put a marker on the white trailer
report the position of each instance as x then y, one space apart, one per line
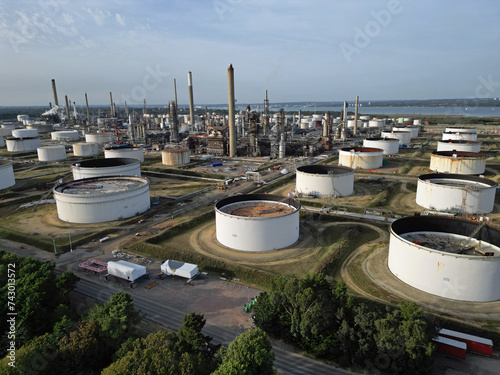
176 268
126 270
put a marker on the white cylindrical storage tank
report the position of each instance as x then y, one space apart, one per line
102 199
257 222
417 122
2 141
65 135
5 132
106 167
100 138
459 129
175 156
6 174
324 181
41 128
51 153
85 149
361 157
8 126
304 123
376 123
390 146
403 136
26 144
413 129
336 120
364 118
21 118
458 162
350 123
125 152
24 133
456 193
434 254
463 136
466 146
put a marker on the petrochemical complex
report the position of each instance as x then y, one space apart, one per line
266 177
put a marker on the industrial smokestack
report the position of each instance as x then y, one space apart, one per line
344 128
191 100
174 124
175 93
111 100
67 107
54 91
87 104
355 130
232 130
326 125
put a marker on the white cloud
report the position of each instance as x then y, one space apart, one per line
119 19
98 15
68 18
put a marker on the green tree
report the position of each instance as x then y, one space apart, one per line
66 282
249 354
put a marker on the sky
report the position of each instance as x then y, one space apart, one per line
297 50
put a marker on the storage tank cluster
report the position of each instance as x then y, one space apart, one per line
390 146
6 174
361 157
175 156
456 193
102 199
106 167
324 181
447 257
458 162
23 140
257 222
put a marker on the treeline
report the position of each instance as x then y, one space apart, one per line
327 323
51 338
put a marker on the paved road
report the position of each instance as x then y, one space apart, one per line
286 361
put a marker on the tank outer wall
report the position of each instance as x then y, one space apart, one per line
459 146
361 159
26 144
467 164
135 153
85 149
389 145
51 153
458 277
439 197
106 167
460 136
6 174
325 185
175 157
100 208
256 234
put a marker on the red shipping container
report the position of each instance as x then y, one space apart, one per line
475 344
450 347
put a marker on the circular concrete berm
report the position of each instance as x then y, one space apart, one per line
257 222
325 180
447 257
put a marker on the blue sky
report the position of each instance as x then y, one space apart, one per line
297 50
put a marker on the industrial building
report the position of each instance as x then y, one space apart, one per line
458 162
447 257
6 174
106 167
324 181
361 157
257 222
456 193
102 199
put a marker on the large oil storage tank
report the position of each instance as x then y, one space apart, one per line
447 257
456 193
404 136
459 162
22 144
106 167
459 129
257 222
376 123
414 130
466 146
350 124
460 136
361 157
100 138
40 127
51 153
390 146
65 135
175 156
6 174
24 133
324 180
85 149
125 152
102 199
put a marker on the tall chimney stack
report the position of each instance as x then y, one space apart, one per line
175 93
191 100
111 100
355 130
54 91
67 107
232 130
87 104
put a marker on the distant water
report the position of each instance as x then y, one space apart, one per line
410 111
